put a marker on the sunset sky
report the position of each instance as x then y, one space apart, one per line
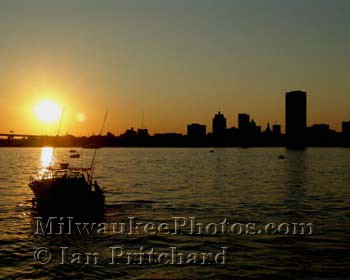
179 61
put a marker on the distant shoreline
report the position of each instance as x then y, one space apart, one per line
185 147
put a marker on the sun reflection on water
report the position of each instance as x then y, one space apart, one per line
46 157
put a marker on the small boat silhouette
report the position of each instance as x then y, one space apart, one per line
66 190
75 156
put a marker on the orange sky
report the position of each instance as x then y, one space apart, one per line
178 61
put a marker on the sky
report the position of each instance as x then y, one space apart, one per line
179 62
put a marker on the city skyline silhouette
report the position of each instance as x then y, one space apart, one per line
174 139
247 134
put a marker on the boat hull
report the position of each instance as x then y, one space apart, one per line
68 197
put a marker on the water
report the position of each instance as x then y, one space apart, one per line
154 185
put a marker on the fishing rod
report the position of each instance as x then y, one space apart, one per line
58 133
92 167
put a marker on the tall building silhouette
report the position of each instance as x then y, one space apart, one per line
196 133
296 118
276 135
243 122
268 129
345 129
219 125
276 130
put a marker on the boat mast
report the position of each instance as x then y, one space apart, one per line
58 133
92 166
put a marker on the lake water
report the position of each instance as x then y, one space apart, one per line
156 185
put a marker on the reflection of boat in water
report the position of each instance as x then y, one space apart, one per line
67 190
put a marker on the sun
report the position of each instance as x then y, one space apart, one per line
48 111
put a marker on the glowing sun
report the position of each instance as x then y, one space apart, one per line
48 111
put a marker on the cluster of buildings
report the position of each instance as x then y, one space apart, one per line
247 134
298 134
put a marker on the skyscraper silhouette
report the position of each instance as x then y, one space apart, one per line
296 119
196 134
346 129
276 130
219 125
243 122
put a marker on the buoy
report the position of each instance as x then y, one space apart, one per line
281 157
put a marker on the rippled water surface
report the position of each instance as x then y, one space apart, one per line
154 185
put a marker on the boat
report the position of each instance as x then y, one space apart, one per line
63 165
75 155
73 151
66 190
